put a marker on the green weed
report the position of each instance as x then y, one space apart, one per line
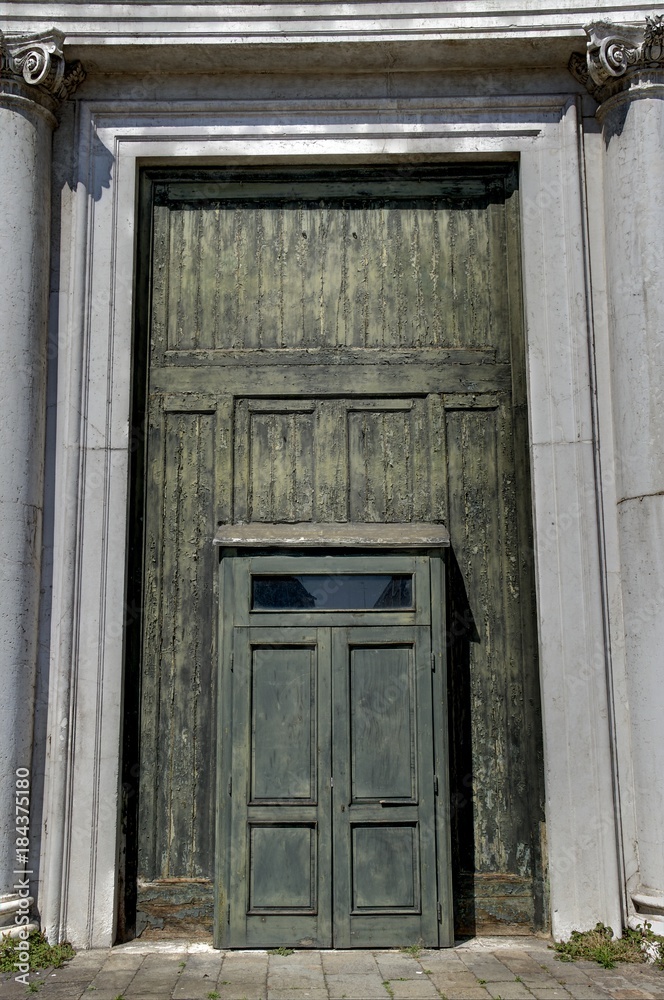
598 945
42 955
414 950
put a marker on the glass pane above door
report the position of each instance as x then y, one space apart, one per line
332 592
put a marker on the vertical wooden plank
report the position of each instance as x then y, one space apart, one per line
175 272
185 685
209 275
152 641
302 467
223 435
399 458
422 461
308 325
331 462
233 253
379 278
438 458
248 275
161 317
263 440
366 450
474 529
269 260
188 292
241 470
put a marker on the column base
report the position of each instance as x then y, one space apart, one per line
649 909
11 906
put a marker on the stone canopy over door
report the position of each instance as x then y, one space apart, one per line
331 345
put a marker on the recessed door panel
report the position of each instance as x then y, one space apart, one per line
282 865
382 723
385 868
283 723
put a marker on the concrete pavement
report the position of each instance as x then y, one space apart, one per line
481 969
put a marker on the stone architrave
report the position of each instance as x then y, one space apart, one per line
624 70
34 80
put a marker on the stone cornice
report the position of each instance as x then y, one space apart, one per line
33 68
620 57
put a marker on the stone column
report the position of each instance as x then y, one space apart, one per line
33 82
624 70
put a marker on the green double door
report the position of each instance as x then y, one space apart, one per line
331 812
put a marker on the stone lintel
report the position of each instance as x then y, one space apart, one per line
621 58
33 68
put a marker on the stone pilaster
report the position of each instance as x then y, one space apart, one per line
624 70
34 80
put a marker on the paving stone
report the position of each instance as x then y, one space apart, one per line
356 987
466 993
112 980
120 960
524 966
549 993
487 967
632 994
306 993
361 963
508 990
413 989
445 981
251 991
397 966
587 992
198 977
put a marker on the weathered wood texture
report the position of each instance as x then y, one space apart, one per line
343 347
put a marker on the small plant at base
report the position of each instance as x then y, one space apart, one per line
280 951
388 988
414 950
481 981
42 954
213 995
34 987
599 945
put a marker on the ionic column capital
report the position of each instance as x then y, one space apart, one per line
33 68
621 58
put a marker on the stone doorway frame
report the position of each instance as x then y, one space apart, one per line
573 558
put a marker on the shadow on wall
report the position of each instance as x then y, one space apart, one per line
461 632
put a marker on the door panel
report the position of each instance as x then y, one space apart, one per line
385 887
278 877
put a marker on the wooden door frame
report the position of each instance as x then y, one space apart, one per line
427 565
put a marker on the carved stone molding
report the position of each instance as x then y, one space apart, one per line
619 56
33 67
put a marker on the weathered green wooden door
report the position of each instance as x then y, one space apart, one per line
330 345
332 831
